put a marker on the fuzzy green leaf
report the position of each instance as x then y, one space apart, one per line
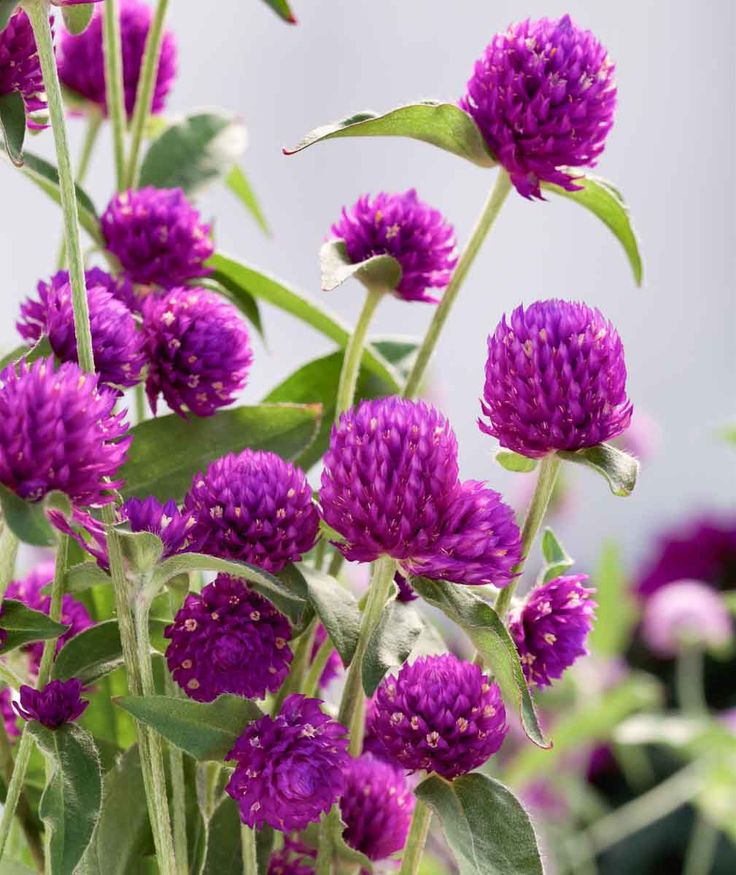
282 9
240 186
7 8
393 639
24 625
77 17
619 468
616 613
377 272
27 520
556 559
515 462
13 125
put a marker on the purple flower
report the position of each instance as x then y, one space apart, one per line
414 233
439 714
81 59
376 807
59 430
289 768
157 236
57 703
228 639
198 349
253 507
555 380
551 626
295 858
117 345
20 68
406 590
543 96
685 614
333 666
167 521
8 714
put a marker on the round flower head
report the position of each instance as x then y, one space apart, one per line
439 714
388 473
555 380
81 59
57 703
157 236
685 614
172 525
295 858
198 349
289 769
253 507
376 807
414 233
543 96
117 345
20 68
58 430
228 639
551 626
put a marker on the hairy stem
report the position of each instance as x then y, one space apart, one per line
354 353
689 682
114 85
248 846
311 682
15 787
416 840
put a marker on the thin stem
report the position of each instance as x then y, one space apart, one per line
144 94
38 15
311 682
416 840
354 353
115 94
23 809
57 594
702 847
299 665
248 846
548 471
140 403
335 563
178 795
490 211
689 682
15 787
319 553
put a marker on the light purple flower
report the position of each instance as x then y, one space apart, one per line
20 68
167 521
685 614
57 703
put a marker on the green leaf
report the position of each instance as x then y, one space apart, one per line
515 462
224 852
337 609
83 576
399 351
282 9
141 550
492 641
235 274
7 8
70 804
240 186
556 559
487 828
616 612
398 630
378 272
41 349
193 153
619 468
24 625
13 125
27 520
168 451
204 730
604 201
77 17
440 124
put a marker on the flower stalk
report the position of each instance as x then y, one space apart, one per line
417 839
354 352
112 47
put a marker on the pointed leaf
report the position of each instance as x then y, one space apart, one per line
391 643
515 462
27 520
141 550
204 730
13 125
24 625
41 349
282 9
377 272
77 17
7 8
399 351
168 451
70 805
83 576
440 124
487 828
616 613
240 186
336 607
556 559
619 468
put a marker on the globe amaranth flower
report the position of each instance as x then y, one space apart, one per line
28 590
439 714
685 614
157 236
408 229
295 858
253 507
376 807
543 96
390 487
167 521
228 639
555 380
117 345
81 59
59 430
551 626
199 352
20 68
57 703
289 769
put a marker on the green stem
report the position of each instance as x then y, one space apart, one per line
57 594
299 665
702 847
140 403
311 682
416 840
144 95
319 553
23 812
38 14
178 795
548 471
354 353
15 787
114 85
248 846
8 555
689 682
483 226
335 564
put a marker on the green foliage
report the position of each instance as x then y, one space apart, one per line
240 186
25 625
556 559
616 612
282 9
393 639
27 520
515 462
13 125
377 272
77 17
7 8
618 468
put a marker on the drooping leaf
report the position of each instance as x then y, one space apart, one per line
193 153
70 805
398 631
77 17
556 559
606 202
240 186
619 468
204 730
282 9
493 642
168 451
24 625
487 828
515 462
27 520
7 8
336 608
616 611
440 124
377 272
13 125
235 274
